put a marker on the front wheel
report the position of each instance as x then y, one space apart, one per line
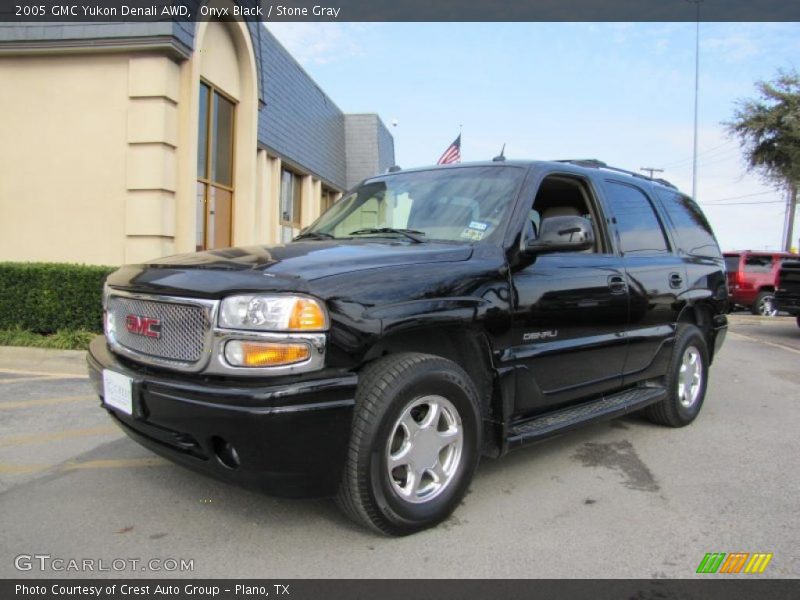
686 380
764 305
414 445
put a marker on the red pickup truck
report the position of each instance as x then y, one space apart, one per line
753 277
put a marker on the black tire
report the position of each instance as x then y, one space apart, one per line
388 390
675 410
764 305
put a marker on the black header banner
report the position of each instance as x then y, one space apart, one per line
387 589
131 11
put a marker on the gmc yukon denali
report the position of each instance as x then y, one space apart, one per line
428 318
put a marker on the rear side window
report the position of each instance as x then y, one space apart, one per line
693 231
732 263
758 263
640 231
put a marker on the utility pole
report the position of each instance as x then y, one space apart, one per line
696 92
791 209
651 170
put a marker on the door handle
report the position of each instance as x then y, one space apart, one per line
675 280
617 284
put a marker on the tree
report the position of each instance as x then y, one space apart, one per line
768 129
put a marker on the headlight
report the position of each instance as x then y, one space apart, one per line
108 325
273 313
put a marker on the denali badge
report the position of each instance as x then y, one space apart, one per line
539 335
146 326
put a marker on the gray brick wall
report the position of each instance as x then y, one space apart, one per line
369 145
299 122
80 31
184 33
386 156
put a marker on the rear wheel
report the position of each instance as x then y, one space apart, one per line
764 305
685 381
414 444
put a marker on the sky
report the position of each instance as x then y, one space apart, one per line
619 92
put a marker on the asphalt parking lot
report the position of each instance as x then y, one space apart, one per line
620 499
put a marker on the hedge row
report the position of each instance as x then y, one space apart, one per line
48 297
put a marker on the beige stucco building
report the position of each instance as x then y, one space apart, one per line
125 142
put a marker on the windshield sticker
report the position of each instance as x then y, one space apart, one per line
471 234
478 225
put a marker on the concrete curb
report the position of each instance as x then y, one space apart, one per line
44 360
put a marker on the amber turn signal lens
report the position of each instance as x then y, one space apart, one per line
265 354
307 315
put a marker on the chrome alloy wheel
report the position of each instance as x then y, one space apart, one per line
690 377
766 307
424 449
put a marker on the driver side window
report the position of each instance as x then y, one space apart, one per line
564 196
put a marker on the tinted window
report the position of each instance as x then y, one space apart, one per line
693 231
732 263
639 229
758 263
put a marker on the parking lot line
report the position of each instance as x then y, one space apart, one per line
48 374
118 463
765 342
6 469
112 463
22 380
45 402
51 436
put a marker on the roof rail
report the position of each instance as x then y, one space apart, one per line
666 183
593 163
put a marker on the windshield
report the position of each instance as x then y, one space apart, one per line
467 204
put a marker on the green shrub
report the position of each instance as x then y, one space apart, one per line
61 340
47 298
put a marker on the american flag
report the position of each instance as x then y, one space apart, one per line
452 154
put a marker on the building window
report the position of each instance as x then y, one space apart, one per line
214 169
327 200
291 194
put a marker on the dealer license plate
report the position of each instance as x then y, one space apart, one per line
118 391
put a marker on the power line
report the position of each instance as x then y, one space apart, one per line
701 153
742 203
739 197
721 159
718 157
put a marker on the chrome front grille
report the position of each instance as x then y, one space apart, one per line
184 328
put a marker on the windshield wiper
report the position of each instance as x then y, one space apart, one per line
411 234
314 235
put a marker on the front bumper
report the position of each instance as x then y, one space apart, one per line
289 439
789 304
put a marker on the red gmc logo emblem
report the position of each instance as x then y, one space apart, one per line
146 326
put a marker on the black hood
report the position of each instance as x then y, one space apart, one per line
289 267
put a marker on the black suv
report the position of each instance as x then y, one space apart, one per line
428 317
787 296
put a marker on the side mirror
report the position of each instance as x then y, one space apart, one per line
562 234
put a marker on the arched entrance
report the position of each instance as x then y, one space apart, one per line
219 178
